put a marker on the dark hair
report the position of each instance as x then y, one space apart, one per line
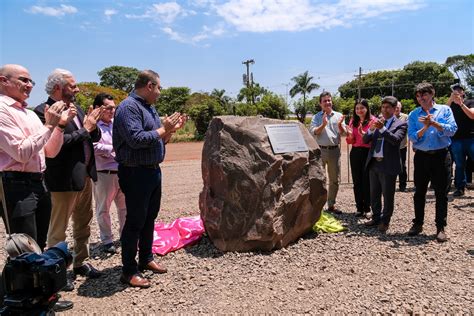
356 118
392 101
424 87
99 99
324 94
144 77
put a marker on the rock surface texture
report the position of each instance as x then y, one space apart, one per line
253 199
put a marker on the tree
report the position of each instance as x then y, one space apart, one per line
119 77
88 91
172 99
202 108
304 86
463 67
252 92
224 100
400 83
272 106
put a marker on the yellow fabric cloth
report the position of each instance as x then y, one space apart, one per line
328 224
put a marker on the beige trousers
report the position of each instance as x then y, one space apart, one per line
79 206
331 159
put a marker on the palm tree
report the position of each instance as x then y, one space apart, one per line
304 86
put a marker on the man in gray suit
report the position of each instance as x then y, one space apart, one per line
384 162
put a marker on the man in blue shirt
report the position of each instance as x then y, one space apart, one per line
139 140
430 127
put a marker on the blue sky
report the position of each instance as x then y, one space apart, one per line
201 43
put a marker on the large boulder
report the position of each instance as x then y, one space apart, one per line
253 199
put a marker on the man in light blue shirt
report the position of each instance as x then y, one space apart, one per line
327 127
430 127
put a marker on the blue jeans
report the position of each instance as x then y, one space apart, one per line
460 149
142 189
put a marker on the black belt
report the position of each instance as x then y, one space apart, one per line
153 166
432 152
329 147
108 171
18 175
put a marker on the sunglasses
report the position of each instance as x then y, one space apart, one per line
25 80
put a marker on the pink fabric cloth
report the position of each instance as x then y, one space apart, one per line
104 151
182 232
24 140
356 140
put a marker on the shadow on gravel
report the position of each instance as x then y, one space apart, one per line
105 286
398 239
204 249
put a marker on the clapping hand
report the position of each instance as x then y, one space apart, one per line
360 130
174 122
90 120
325 119
426 120
68 114
52 114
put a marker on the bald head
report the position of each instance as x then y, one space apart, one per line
15 82
11 70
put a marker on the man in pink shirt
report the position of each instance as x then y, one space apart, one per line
107 189
24 143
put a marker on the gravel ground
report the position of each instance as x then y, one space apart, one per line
357 271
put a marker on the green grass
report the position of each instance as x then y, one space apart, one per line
186 134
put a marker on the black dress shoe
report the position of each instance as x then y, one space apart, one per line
458 192
109 248
88 271
69 286
371 223
62 306
415 230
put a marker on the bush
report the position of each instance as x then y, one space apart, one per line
88 91
272 106
202 108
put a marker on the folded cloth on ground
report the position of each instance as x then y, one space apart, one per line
328 224
180 233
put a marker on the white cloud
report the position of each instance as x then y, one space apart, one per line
60 11
174 35
166 12
299 15
109 13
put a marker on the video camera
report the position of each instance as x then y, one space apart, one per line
32 281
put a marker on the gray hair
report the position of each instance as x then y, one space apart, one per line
57 77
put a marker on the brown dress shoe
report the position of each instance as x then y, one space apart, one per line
135 280
382 228
441 236
153 266
334 210
371 223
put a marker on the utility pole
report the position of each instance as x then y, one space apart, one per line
359 82
248 79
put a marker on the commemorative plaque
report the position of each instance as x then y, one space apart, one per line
285 138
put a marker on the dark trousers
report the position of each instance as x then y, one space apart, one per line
460 150
381 184
402 177
434 167
142 189
360 177
28 205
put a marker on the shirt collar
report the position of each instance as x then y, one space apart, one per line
138 98
12 102
102 123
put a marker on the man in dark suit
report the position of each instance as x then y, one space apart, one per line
68 175
384 162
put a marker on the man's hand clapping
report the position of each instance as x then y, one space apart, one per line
90 120
52 114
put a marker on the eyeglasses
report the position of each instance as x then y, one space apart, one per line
25 80
159 87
